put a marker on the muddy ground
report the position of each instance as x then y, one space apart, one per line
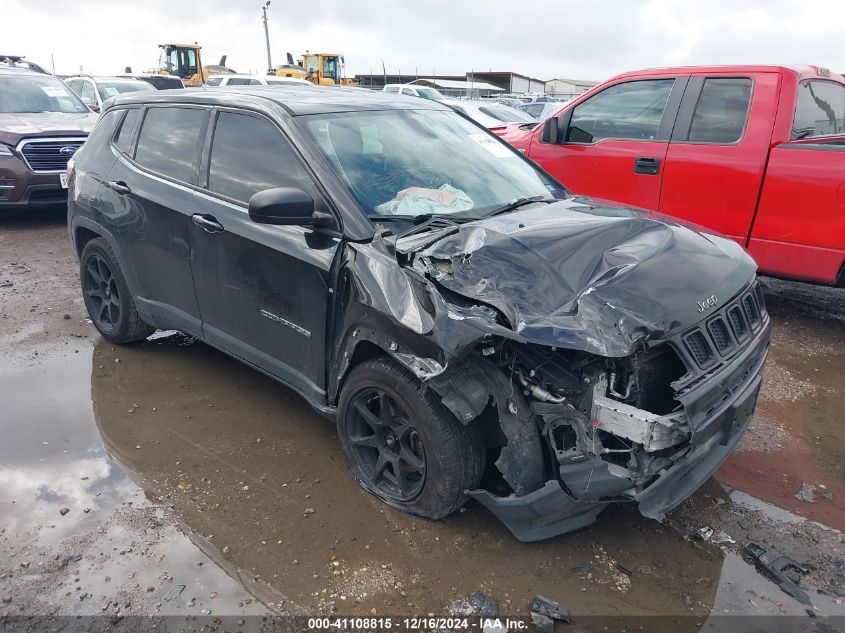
168 480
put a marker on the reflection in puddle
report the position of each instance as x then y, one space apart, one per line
77 536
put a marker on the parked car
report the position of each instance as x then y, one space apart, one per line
752 151
493 116
42 124
159 82
413 90
254 80
93 91
540 110
509 101
446 301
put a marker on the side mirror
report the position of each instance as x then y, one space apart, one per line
92 107
287 205
550 130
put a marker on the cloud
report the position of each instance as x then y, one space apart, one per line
546 38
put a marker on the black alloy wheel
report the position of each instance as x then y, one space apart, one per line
100 287
386 446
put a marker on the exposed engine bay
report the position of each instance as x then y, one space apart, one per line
619 411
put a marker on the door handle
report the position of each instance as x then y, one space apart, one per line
120 187
207 223
647 165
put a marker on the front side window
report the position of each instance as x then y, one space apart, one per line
820 109
24 94
722 111
330 68
420 162
630 110
249 155
169 140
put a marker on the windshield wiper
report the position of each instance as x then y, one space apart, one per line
519 202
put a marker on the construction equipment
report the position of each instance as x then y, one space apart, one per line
323 69
184 61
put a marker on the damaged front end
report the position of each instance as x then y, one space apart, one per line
544 328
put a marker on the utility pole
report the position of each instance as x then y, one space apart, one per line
267 36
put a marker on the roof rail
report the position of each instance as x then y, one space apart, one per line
18 60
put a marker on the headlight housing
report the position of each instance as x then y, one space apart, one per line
6 150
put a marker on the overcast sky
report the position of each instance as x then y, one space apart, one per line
540 38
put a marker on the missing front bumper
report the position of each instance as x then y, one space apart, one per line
550 510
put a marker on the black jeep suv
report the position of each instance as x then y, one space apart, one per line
460 313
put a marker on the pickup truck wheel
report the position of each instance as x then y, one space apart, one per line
403 445
107 296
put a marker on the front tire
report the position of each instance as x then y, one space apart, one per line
107 297
403 445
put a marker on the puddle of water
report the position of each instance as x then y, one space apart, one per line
770 510
112 551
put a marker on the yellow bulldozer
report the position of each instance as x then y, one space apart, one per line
323 69
184 61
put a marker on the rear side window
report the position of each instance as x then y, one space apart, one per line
249 155
820 109
722 111
127 127
392 89
630 110
213 81
168 142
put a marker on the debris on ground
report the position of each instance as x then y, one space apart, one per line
704 533
174 593
544 612
723 538
476 604
774 570
806 493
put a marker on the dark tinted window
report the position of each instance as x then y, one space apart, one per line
127 127
630 110
249 155
721 111
168 141
242 81
820 109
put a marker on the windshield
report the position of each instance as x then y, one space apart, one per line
419 162
28 93
107 89
506 114
430 93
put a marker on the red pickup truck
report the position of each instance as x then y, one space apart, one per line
755 152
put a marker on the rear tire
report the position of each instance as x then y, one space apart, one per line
107 298
403 445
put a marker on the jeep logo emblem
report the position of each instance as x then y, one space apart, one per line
68 150
709 302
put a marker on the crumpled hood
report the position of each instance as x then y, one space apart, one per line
576 274
14 127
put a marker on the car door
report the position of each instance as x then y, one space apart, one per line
613 144
263 290
145 206
718 150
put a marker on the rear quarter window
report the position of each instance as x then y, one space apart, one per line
127 128
819 109
169 142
